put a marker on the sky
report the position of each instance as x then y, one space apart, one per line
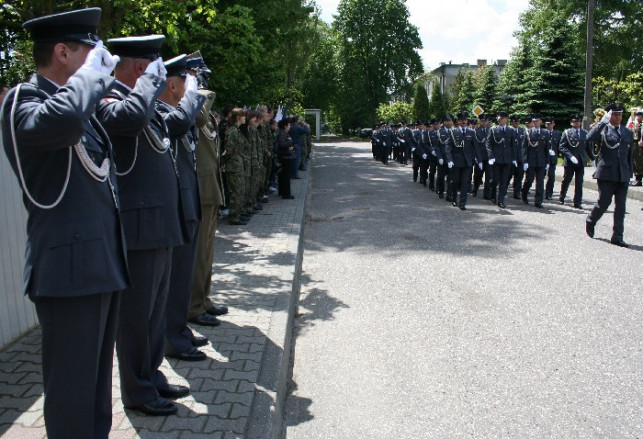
470 30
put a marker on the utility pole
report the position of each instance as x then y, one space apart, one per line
589 64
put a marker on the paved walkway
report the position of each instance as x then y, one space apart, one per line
239 390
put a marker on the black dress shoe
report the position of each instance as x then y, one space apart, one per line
474 194
524 200
455 203
501 205
192 355
561 200
217 310
199 341
486 197
548 197
174 391
538 206
205 319
516 197
620 243
158 407
462 207
589 229
288 197
440 195
494 201
577 206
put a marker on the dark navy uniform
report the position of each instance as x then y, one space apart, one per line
554 143
75 263
461 154
517 172
574 147
445 140
503 150
149 190
613 173
535 158
416 156
482 168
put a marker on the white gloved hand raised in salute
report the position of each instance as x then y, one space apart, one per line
607 117
100 60
191 83
157 68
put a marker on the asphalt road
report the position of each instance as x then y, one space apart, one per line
418 320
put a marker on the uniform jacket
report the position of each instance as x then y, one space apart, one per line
615 154
148 183
284 142
554 143
521 141
208 156
180 123
574 144
236 147
536 152
444 141
502 146
481 143
297 132
405 137
76 248
462 152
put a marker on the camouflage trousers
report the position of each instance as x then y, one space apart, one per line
236 180
638 162
258 179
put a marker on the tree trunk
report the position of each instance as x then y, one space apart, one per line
589 64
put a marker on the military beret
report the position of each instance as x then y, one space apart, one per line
616 107
177 66
144 46
80 25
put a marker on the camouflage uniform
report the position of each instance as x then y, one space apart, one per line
638 154
267 154
234 161
258 169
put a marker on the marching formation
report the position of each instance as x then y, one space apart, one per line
124 166
455 156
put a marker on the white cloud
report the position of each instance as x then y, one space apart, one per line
462 33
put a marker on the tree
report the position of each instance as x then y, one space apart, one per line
513 84
395 112
439 103
421 108
377 54
463 91
486 84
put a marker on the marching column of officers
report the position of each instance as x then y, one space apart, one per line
122 180
456 161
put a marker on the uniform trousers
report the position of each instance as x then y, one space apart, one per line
518 173
443 174
141 325
537 173
78 336
460 180
294 164
433 168
200 302
478 179
606 190
236 200
284 177
416 166
577 171
500 181
551 177
424 171
178 337
386 152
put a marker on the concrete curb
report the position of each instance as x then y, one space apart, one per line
592 185
267 413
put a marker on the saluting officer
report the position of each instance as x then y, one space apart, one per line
461 154
179 104
535 160
576 151
503 153
75 265
613 171
149 191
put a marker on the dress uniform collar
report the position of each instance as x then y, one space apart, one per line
45 84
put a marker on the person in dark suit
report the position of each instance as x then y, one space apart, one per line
535 160
179 104
554 143
444 140
286 154
517 172
460 155
75 264
149 191
502 149
482 168
576 151
613 172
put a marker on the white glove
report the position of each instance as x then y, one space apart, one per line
547 167
157 68
403 141
515 163
412 149
481 166
492 161
100 60
191 83
574 160
433 154
424 156
450 165
607 117
552 152
525 167
441 162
